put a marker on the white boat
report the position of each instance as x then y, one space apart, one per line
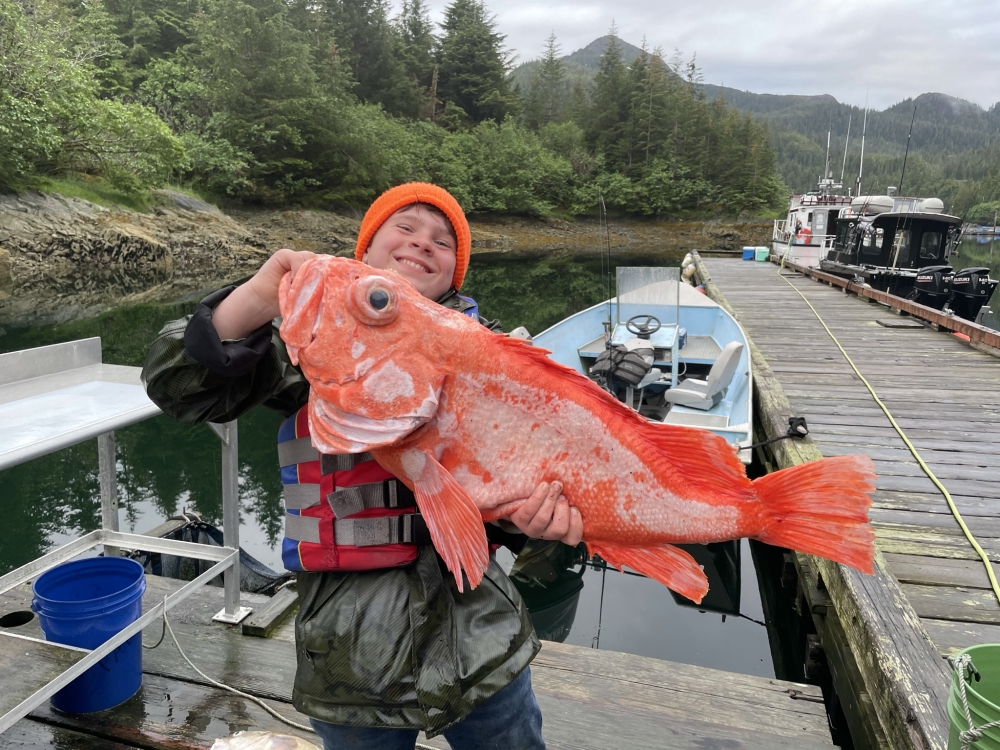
698 355
805 236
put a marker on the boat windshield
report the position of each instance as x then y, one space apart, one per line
930 245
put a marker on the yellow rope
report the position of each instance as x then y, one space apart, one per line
927 470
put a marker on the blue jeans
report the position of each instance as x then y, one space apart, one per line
509 720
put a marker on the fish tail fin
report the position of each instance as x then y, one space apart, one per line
821 508
670 565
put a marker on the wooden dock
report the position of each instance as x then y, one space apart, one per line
590 700
884 635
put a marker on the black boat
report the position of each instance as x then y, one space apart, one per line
884 241
902 246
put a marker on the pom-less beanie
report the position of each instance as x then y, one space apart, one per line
419 192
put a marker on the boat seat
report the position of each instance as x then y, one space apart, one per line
704 394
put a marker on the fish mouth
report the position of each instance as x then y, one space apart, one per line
355 433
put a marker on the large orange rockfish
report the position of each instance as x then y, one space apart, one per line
473 422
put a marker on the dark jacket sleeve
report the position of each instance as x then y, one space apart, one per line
194 377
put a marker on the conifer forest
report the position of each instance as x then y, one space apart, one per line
329 102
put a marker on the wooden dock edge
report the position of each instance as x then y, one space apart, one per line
904 679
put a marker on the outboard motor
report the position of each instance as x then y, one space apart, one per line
932 286
971 289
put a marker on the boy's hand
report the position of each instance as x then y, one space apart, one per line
256 302
548 515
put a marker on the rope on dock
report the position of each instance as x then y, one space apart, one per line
913 450
967 737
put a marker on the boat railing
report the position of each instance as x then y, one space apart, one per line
783 235
57 396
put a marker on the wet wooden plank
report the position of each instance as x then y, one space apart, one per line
27 667
168 714
34 735
956 603
937 571
950 636
896 660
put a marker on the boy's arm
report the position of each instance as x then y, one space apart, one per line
195 377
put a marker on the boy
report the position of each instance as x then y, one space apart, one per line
385 643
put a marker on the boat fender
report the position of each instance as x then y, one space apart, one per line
688 260
689 271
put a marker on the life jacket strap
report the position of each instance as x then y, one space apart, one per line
390 493
300 496
409 528
331 462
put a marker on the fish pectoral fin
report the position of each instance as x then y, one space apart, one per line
670 565
453 519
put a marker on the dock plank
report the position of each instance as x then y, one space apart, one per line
590 699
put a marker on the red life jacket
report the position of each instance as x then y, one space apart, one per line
342 512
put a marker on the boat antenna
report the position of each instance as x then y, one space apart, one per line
826 169
903 174
861 165
843 167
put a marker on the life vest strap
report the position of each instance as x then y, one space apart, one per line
329 463
296 451
391 493
299 496
409 528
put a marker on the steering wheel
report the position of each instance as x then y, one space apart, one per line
642 325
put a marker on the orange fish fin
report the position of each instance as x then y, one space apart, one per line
701 459
670 565
695 456
821 508
452 518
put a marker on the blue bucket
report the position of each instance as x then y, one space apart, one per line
83 603
748 253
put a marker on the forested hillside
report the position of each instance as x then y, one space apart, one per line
329 102
953 149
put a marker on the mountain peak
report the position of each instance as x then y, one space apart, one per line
942 104
590 56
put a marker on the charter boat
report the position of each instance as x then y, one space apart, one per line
886 241
805 236
666 350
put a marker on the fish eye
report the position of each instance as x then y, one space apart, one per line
374 301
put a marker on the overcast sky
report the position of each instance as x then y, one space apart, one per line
889 48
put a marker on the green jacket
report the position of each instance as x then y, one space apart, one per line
397 648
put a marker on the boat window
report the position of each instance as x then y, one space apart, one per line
867 246
930 245
843 234
901 247
879 236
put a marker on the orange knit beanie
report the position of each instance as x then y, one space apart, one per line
419 192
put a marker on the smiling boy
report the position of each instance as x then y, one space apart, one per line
385 643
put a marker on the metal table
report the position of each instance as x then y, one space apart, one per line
56 396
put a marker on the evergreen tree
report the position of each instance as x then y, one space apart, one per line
371 47
547 87
417 52
473 64
608 121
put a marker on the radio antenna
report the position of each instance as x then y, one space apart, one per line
843 167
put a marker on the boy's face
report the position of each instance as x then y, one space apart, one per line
420 246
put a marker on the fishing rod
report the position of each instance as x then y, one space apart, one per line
603 216
907 149
843 167
861 165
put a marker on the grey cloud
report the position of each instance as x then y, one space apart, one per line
892 49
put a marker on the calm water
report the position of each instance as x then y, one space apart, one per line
165 467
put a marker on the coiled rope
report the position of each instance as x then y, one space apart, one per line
913 450
963 665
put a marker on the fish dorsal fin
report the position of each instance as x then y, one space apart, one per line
699 458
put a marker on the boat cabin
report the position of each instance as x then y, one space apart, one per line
886 239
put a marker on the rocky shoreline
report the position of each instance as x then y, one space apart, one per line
65 258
